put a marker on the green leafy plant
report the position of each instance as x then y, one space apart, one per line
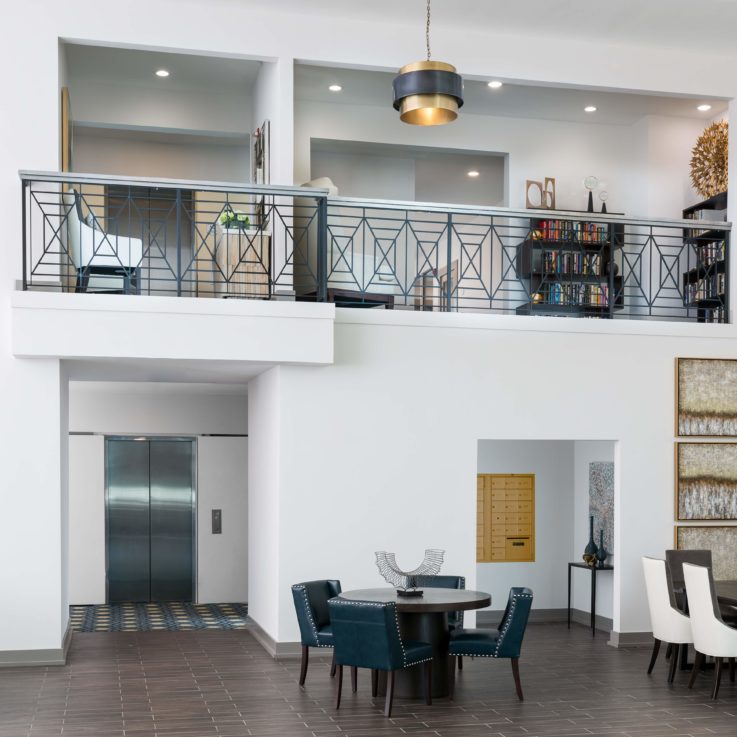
234 219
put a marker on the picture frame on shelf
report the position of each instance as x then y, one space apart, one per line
706 481
706 397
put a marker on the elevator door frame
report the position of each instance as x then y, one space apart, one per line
195 498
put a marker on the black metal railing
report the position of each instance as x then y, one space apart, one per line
88 233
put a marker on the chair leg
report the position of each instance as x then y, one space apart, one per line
451 676
654 657
354 678
673 662
731 670
668 651
332 666
428 682
340 686
389 694
515 673
460 663
305 661
374 682
698 661
717 677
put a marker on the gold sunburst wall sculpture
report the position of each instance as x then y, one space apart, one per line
709 160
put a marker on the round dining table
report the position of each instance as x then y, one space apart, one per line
425 619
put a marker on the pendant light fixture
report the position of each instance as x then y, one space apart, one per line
428 92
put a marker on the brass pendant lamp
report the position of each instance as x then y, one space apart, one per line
428 92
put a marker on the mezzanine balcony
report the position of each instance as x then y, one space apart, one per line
118 235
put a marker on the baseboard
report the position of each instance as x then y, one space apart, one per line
492 617
277 650
630 639
52 656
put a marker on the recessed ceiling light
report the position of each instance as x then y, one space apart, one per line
704 108
335 88
589 109
495 84
162 72
473 173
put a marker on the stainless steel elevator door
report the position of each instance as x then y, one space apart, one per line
150 519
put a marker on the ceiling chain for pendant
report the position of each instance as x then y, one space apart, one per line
427 31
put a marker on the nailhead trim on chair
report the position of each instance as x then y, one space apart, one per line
500 641
396 621
299 587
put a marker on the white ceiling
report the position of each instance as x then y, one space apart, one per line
708 25
133 67
196 372
361 87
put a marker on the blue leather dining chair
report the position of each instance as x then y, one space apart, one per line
455 619
313 615
366 635
504 642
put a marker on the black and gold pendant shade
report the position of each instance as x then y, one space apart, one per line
428 93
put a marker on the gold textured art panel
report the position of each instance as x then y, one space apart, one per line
722 541
707 397
709 160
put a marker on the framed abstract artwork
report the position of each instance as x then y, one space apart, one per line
706 397
601 501
722 541
706 481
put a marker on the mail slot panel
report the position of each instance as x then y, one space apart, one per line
517 548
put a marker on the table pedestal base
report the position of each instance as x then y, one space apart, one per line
425 627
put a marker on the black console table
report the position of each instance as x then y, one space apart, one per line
593 570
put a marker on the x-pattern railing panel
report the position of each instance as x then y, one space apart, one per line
90 233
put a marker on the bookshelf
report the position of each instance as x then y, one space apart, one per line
567 263
704 285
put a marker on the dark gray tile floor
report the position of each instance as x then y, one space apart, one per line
196 684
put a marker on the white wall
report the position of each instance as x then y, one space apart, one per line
622 157
266 582
87 519
366 175
173 159
140 408
586 452
28 407
128 408
552 463
222 483
167 106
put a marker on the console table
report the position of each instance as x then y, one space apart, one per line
593 570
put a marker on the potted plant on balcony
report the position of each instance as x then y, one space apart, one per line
234 220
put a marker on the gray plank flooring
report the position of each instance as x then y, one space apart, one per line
221 683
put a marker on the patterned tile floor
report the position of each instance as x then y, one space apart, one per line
171 616
223 684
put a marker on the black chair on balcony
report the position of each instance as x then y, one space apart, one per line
366 635
311 603
505 642
455 619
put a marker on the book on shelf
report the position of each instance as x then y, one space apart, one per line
567 262
570 230
579 295
708 287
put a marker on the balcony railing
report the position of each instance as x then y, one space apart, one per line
90 233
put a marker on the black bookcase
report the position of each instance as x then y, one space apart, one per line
568 266
705 284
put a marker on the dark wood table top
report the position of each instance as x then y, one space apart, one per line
433 599
726 592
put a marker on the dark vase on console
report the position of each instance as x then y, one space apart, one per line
601 554
590 551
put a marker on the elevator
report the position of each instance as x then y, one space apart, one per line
150 519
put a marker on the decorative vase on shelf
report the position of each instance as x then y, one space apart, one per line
601 553
590 551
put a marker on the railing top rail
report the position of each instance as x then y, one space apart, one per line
594 217
186 184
